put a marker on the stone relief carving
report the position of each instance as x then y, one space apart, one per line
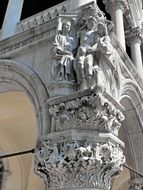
87 60
90 57
84 61
93 112
75 164
136 184
63 54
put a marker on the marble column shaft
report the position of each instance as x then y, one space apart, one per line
136 55
12 16
135 39
119 24
116 9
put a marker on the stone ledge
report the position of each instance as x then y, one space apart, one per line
78 134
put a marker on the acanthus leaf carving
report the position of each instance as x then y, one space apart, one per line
92 112
75 164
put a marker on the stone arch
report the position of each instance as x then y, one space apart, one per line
132 131
15 76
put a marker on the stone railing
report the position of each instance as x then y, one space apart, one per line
41 17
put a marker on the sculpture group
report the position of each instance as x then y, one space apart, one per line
86 57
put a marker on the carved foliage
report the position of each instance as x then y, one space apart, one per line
92 112
136 184
134 34
75 164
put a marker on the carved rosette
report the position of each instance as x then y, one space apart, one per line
77 164
92 112
136 184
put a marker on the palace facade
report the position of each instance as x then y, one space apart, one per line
71 87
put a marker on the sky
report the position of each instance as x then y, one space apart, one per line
31 7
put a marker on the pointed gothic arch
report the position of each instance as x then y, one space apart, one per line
132 132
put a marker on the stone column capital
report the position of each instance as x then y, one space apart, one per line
117 4
121 4
89 110
136 184
135 35
72 163
84 151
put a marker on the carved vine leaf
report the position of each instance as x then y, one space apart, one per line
92 112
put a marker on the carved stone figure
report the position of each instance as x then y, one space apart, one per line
62 52
95 61
88 41
106 76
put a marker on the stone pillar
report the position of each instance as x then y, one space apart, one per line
84 150
136 184
75 4
12 17
117 9
134 38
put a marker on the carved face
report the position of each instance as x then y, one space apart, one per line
67 26
91 23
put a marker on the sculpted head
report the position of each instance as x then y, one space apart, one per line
91 23
66 27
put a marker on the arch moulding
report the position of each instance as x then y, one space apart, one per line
18 77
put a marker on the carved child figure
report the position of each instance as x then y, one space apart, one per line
88 41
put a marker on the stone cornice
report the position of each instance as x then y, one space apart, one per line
23 41
28 38
42 17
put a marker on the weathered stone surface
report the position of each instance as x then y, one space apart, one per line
86 110
76 161
136 184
